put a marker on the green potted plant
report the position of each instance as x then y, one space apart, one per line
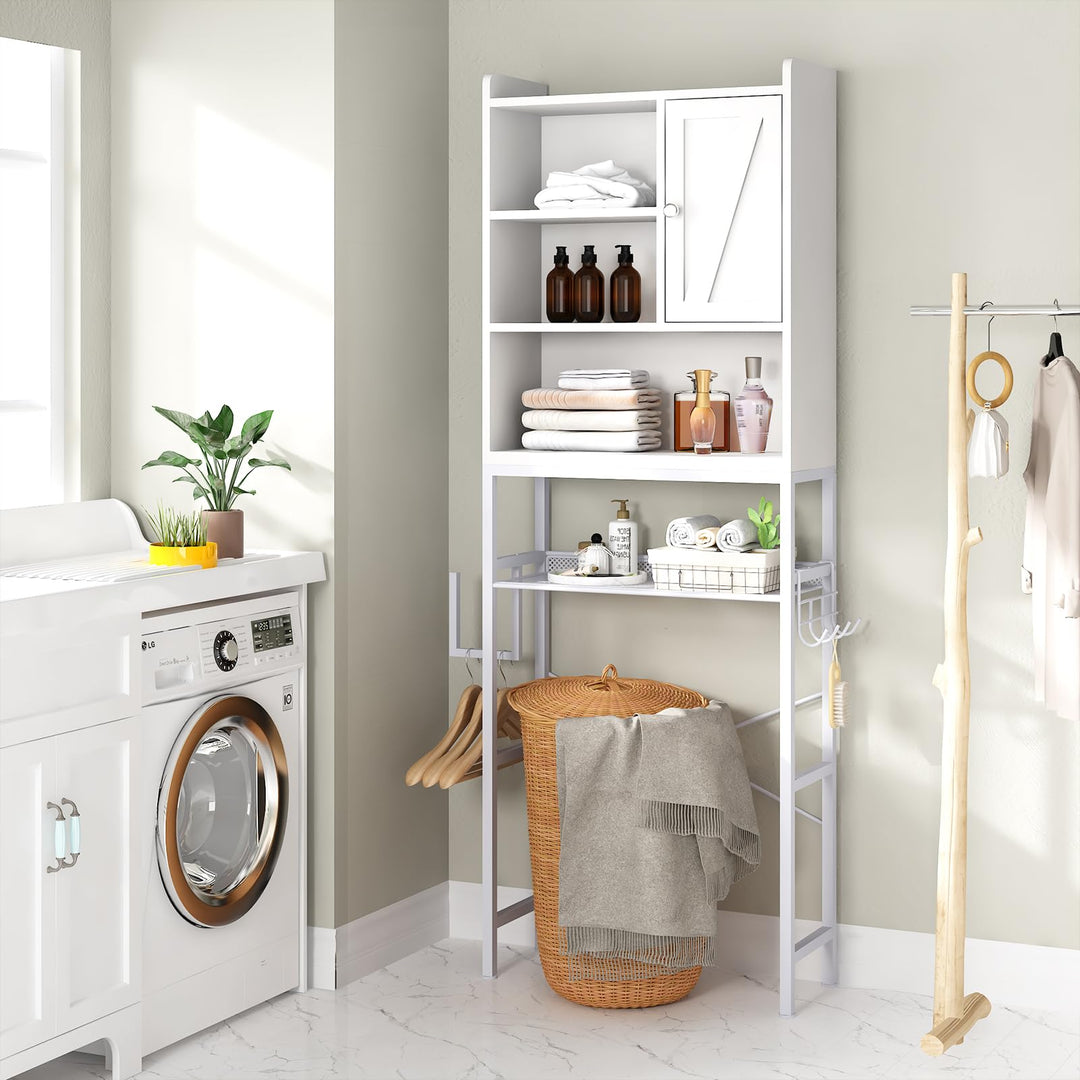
216 476
180 539
768 527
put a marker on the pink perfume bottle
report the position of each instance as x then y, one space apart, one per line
753 410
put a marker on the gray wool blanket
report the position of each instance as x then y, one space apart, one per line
656 822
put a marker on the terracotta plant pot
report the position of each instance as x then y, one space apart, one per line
226 529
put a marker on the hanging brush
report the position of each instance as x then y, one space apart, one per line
838 693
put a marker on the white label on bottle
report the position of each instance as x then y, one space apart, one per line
619 543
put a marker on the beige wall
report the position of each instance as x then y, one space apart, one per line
223 278
83 25
957 151
391 484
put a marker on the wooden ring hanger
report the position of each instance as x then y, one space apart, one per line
1006 370
1006 390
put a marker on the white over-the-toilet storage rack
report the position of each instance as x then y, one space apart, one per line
737 258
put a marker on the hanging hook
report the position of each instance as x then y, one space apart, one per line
988 322
468 665
1058 306
502 674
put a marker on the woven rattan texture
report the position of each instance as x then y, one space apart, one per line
541 704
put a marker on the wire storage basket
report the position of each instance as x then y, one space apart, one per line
541 704
695 570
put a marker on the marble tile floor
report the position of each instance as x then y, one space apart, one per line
432 1017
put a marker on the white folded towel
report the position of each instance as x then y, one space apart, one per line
601 184
615 441
605 420
706 538
682 532
550 398
603 379
738 535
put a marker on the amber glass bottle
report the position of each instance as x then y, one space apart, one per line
625 288
560 289
589 289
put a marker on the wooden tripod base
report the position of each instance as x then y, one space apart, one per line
952 1029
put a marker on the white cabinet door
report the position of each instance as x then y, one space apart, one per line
724 211
98 902
27 895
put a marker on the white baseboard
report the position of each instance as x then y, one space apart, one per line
1025 976
465 914
339 957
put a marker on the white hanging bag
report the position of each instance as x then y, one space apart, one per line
988 448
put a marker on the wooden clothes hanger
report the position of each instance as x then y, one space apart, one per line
456 756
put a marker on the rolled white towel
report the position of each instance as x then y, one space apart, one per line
738 535
682 532
613 441
706 538
572 420
599 379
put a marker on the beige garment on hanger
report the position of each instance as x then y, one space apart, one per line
1051 570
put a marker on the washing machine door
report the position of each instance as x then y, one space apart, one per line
221 811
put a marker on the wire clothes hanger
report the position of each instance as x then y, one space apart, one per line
1055 350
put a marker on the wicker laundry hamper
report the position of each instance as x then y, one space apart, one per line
541 704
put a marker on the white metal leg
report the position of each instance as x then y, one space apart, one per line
829 741
489 779
788 615
542 610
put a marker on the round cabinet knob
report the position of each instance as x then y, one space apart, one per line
671 210
226 651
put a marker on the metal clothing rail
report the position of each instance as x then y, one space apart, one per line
989 308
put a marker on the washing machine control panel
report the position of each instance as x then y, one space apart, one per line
222 648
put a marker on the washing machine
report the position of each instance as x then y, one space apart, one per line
223 738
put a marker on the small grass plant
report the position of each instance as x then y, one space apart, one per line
172 528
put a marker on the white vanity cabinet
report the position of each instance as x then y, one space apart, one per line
723 221
68 953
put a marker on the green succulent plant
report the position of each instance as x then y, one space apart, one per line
216 476
768 527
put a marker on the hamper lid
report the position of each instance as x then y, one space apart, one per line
605 695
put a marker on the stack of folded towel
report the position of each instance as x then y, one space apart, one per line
593 409
603 185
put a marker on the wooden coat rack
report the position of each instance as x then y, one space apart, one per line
954 1013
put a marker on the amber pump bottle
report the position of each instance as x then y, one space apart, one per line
589 289
625 288
560 289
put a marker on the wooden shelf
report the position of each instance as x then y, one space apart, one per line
564 216
635 328
728 468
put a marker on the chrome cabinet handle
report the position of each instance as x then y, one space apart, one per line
63 828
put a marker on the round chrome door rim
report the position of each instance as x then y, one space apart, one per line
262 734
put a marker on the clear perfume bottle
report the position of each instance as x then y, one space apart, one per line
684 406
702 417
753 410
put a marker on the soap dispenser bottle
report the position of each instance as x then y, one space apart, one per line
589 289
623 540
625 289
560 289
685 401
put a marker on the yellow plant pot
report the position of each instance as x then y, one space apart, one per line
205 556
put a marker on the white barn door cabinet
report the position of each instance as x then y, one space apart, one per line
723 246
